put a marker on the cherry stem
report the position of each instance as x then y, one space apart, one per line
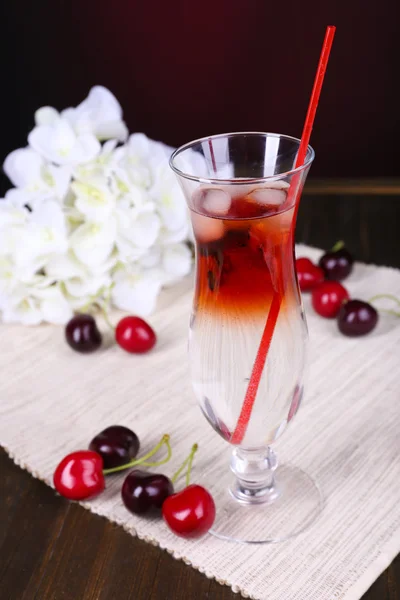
388 297
338 246
187 463
143 460
190 462
95 301
106 317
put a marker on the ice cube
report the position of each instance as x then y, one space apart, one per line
207 229
213 201
268 196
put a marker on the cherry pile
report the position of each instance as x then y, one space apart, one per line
82 475
132 334
329 297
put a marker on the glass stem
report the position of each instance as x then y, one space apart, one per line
255 475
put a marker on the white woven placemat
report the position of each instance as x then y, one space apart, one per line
346 435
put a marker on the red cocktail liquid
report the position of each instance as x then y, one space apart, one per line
242 258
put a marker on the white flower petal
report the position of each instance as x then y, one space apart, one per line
135 159
93 243
172 210
36 179
106 266
50 214
13 212
145 230
126 188
79 303
137 292
54 306
180 235
99 114
100 167
59 143
57 179
88 171
102 104
152 258
26 311
65 266
19 198
44 234
169 197
111 130
87 148
139 145
67 114
109 147
127 252
9 278
94 199
46 115
138 174
23 166
176 261
88 286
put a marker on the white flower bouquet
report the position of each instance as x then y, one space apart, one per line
94 217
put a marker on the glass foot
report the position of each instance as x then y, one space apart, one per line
289 507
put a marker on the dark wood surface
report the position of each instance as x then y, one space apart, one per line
51 549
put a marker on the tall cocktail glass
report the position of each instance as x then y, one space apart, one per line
242 190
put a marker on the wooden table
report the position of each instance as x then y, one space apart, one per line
51 549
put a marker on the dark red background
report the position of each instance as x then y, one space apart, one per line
187 68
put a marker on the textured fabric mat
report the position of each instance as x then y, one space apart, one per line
346 436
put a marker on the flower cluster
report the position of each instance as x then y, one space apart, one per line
94 216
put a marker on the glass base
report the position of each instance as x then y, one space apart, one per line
287 508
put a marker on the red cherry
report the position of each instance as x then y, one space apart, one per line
79 475
328 297
308 274
189 513
134 335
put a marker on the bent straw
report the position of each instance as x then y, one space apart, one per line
273 314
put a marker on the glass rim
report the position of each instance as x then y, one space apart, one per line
241 180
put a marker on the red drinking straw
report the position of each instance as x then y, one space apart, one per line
273 314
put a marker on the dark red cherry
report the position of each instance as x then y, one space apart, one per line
82 334
338 263
357 318
117 445
143 491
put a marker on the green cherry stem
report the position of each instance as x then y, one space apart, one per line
106 306
143 460
388 297
187 463
106 317
338 246
190 462
95 301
